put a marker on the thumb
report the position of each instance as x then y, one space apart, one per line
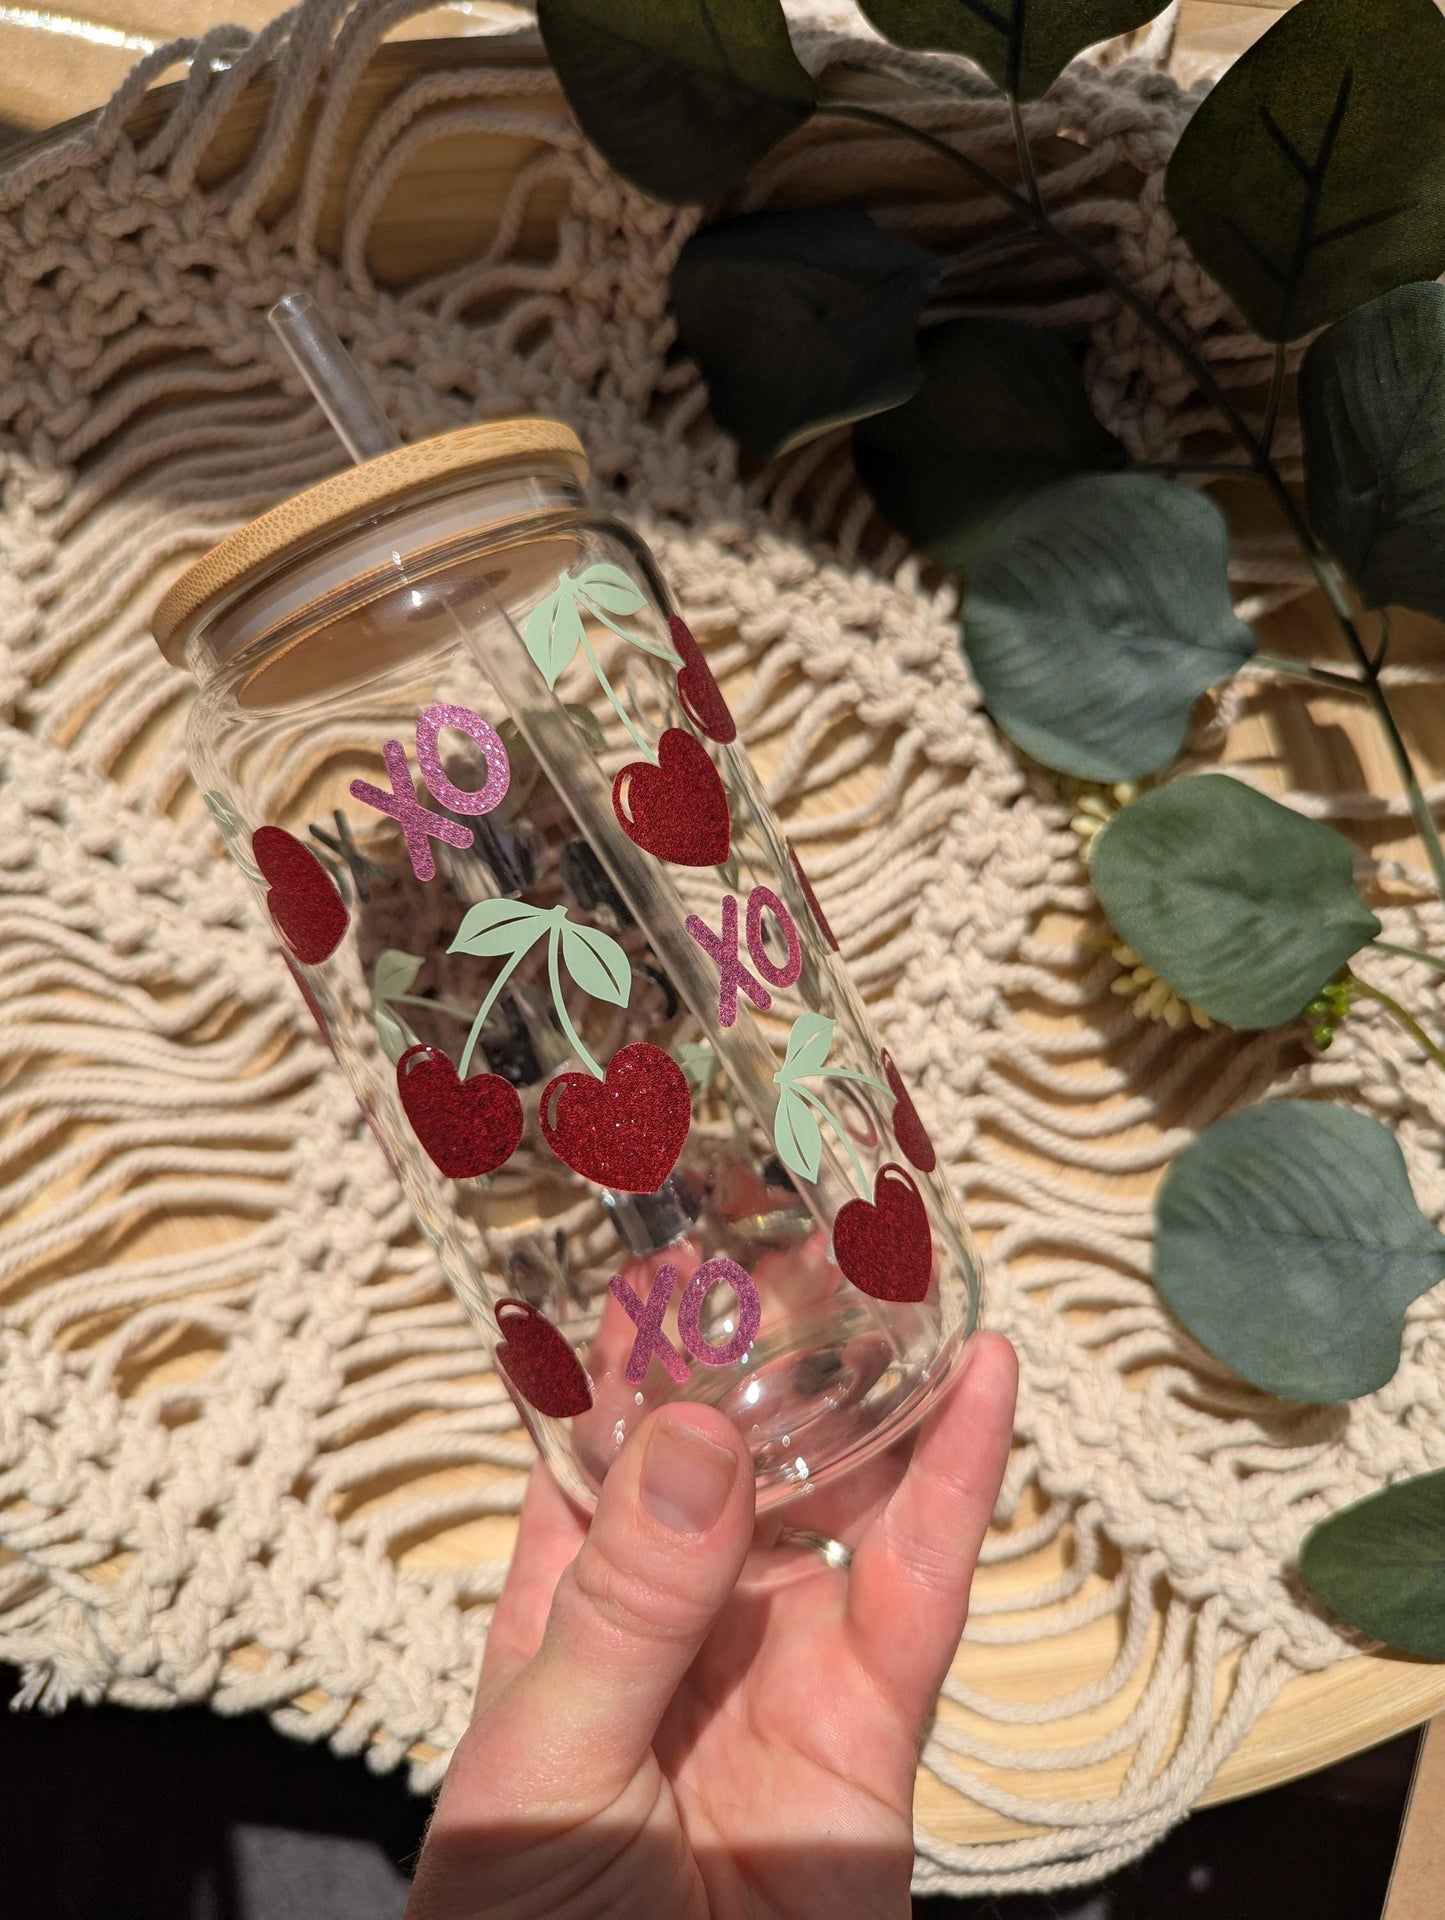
671 1532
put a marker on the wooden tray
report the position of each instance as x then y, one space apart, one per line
441 209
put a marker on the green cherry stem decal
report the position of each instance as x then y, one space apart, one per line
557 628
511 928
796 1133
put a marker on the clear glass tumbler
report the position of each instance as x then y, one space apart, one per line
491 796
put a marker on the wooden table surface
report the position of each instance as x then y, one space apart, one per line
53 67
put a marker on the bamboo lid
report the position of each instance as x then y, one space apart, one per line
490 447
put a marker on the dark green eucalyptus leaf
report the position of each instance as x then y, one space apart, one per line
1243 906
1372 405
681 100
1380 1565
1289 1243
1001 412
1022 44
801 321
1098 614
1312 175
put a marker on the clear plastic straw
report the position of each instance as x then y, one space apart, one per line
332 375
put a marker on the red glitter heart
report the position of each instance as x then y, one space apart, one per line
700 694
676 810
885 1248
626 1130
308 912
908 1129
820 919
467 1126
538 1362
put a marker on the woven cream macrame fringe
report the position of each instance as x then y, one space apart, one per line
155 1060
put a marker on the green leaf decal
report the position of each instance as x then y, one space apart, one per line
801 321
1241 905
1312 175
1023 45
1380 1565
500 926
809 1038
609 589
797 1135
699 1065
553 631
682 100
597 963
1098 614
1372 405
395 973
1001 413
1289 1243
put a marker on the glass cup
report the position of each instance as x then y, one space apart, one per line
480 775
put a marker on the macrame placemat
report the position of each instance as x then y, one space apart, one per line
240 1417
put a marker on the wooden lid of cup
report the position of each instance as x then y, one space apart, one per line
491 447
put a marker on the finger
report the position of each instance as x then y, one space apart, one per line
909 1582
630 1612
548 1535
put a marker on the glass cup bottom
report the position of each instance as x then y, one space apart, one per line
818 1407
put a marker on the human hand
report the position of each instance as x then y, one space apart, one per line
652 1740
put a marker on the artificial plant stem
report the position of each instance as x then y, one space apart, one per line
1410 953
984 249
1398 1014
1225 469
554 978
1026 158
1276 394
1038 218
1319 676
617 707
485 1008
833 1121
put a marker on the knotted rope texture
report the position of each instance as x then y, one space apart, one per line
233 1391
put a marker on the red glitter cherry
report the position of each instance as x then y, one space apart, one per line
676 810
908 1129
626 1130
820 919
467 1127
700 694
538 1362
308 912
885 1248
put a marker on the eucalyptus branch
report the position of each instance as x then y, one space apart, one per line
1185 353
1224 469
1276 395
1410 953
1025 154
1363 990
1317 676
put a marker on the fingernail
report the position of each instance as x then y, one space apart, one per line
686 1477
